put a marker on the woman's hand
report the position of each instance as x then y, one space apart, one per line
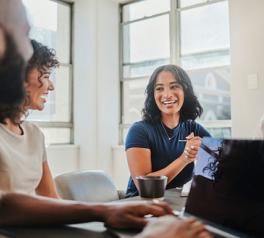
191 148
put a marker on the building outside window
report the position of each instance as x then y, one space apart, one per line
191 33
51 25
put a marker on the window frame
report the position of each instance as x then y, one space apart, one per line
70 123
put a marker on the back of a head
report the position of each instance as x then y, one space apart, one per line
13 19
15 51
12 75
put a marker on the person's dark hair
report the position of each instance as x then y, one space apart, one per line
43 58
14 73
191 108
12 76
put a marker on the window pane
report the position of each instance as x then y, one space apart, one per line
52 30
58 103
144 9
212 86
220 132
146 40
205 28
124 134
57 135
143 69
187 3
207 60
134 96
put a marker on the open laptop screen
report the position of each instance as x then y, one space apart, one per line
228 183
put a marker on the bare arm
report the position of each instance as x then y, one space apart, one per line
46 186
139 161
19 209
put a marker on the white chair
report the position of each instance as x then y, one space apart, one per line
87 186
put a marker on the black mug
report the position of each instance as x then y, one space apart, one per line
152 186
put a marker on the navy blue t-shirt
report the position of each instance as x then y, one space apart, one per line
163 150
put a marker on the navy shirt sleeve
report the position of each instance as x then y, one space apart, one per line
137 137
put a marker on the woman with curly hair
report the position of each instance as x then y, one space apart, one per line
167 140
23 159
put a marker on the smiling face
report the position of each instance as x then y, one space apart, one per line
38 86
168 94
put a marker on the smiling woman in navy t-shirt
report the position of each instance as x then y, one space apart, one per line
154 146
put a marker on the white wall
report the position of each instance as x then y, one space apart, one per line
121 172
96 85
63 158
247 58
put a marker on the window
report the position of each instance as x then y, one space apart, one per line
191 33
204 52
51 25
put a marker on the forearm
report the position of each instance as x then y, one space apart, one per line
18 209
172 170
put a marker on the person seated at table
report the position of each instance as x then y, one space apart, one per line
22 209
167 140
22 146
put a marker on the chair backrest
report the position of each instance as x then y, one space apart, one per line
86 186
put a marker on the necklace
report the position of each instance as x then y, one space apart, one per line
169 137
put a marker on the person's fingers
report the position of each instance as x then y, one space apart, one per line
191 154
194 148
191 220
197 227
205 234
190 136
195 139
166 207
193 144
155 209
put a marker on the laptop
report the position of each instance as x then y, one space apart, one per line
227 187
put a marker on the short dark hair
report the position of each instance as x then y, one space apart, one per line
12 76
191 108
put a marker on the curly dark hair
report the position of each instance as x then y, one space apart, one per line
12 76
43 58
14 72
191 108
